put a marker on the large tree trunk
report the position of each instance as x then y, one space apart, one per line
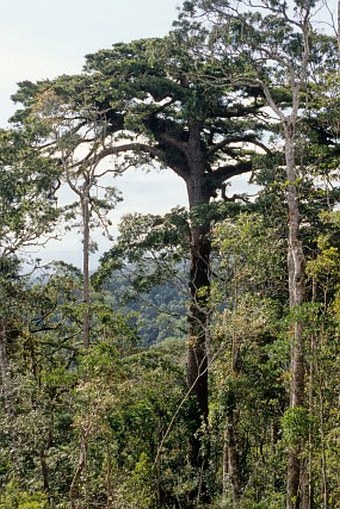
198 323
197 360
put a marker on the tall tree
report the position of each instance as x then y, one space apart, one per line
287 58
157 106
76 143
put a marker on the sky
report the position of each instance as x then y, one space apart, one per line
45 38
42 39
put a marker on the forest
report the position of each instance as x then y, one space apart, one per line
198 366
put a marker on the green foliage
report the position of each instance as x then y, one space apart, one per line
14 498
27 185
109 427
295 425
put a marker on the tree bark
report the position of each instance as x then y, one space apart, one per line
4 367
198 318
296 278
233 465
81 466
45 475
197 351
86 268
197 361
325 496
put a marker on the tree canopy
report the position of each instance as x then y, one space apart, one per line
197 367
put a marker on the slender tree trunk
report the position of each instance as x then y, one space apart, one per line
45 475
81 467
82 461
307 502
233 460
231 479
323 456
296 277
4 366
109 474
225 466
86 268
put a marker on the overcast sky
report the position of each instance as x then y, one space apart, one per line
45 38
